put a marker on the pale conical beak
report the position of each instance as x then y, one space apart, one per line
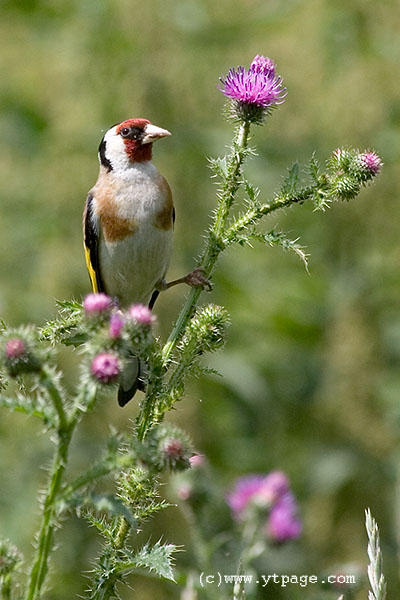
153 133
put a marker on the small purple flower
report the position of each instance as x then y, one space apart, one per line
96 304
283 523
371 164
254 92
141 314
15 348
116 325
257 490
105 367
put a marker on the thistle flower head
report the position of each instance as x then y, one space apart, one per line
15 348
264 65
105 367
253 92
268 497
96 304
283 523
19 354
370 164
141 314
116 325
257 490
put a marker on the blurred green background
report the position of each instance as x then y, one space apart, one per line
311 377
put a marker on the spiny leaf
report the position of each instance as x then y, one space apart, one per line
313 168
252 193
100 503
63 328
276 238
156 558
291 180
219 166
37 408
100 524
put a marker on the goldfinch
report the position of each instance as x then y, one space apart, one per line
128 226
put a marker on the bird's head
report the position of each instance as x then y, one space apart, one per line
129 142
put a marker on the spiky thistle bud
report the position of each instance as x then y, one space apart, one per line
169 448
368 165
10 558
208 328
19 355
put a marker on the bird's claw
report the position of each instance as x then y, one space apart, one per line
197 278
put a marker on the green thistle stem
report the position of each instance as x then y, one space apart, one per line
254 214
40 566
214 245
47 381
123 531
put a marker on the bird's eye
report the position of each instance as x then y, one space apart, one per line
125 131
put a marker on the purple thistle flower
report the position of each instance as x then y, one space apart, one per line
96 304
257 490
283 523
264 65
254 92
371 164
15 348
105 367
141 314
116 325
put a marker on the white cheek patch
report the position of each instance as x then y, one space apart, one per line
115 150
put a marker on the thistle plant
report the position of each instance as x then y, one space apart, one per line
106 338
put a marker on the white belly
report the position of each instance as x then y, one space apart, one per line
132 268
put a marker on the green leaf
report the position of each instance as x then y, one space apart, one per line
291 181
313 168
252 193
101 503
219 166
156 558
28 406
64 328
276 238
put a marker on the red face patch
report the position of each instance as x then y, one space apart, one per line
131 131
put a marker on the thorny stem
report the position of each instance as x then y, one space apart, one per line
66 427
257 212
39 569
214 245
47 381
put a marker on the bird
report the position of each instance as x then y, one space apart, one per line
128 223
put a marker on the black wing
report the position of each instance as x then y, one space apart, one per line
91 244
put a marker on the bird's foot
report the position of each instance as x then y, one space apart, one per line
197 278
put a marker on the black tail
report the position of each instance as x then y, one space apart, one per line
131 381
